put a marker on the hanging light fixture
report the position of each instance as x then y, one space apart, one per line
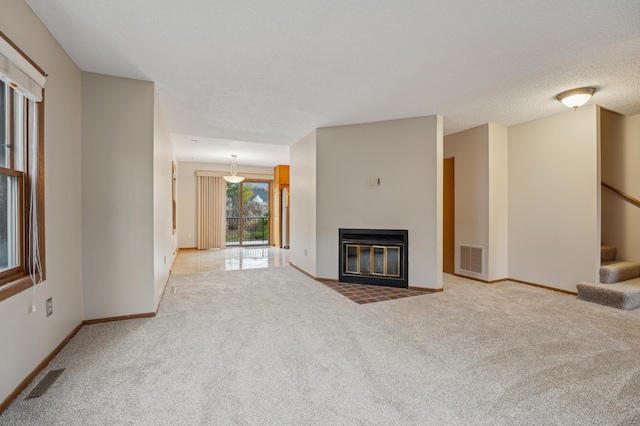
575 98
234 170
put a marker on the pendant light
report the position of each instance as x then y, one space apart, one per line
234 170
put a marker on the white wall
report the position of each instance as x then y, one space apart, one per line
117 196
28 338
187 196
554 199
498 261
470 148
302 204
620 154
164 240
407 157
481 209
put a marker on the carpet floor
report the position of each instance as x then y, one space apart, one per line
273 347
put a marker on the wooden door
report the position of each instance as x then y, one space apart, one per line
281 180
448 216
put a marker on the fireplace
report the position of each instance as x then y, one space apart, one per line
374 256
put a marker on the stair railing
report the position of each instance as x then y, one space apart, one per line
627 197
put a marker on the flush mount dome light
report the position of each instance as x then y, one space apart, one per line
575 98
234 178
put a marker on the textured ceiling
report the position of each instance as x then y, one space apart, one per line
219 151
272 71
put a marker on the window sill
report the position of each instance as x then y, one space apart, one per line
14 285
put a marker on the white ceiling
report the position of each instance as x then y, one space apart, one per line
272 71
219 151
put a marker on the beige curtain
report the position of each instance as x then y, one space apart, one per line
212 212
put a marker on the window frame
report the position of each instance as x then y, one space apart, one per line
17 279
21 228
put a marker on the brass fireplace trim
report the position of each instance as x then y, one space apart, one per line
372 250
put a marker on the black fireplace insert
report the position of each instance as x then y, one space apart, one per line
374 256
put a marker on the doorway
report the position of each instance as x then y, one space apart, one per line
248 217
448 216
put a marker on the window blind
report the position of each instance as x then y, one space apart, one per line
19 73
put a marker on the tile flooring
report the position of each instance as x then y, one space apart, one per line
229 259
362 293
237 258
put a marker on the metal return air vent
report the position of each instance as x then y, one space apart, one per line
471 258
44 384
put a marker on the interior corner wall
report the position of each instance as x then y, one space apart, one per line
117 196
187 196
498 169
28 338
620 154
554 199
470 149
164 240
406 155
302 204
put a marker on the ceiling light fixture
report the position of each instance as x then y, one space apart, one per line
234 170
575 98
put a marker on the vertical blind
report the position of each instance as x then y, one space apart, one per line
212 212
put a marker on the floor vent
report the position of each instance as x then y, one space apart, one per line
44 384
471 258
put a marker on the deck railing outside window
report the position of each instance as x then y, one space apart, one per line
255 230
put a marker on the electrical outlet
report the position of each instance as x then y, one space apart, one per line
49 306
305 252
165 260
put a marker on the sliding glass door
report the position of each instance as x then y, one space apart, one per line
248 213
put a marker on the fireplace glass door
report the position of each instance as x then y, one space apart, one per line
364 259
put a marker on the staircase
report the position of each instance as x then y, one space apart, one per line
619 282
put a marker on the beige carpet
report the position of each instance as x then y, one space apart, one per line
273 347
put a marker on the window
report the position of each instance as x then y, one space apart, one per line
21 173
248 215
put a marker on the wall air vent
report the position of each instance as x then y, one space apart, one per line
471 258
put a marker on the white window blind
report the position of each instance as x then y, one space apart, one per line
18 73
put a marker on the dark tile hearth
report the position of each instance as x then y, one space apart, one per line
363 293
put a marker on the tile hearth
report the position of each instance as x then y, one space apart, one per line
363 293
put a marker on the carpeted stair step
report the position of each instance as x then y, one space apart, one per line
624 295
608 253
616 271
